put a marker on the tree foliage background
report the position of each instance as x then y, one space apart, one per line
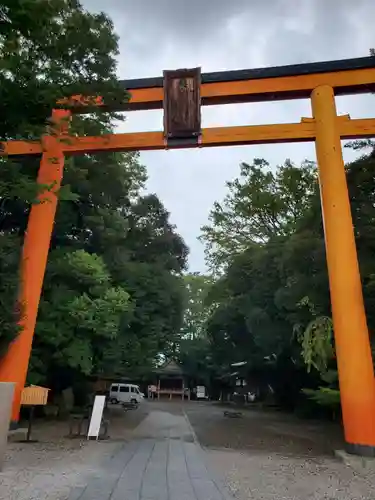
270 302
113 294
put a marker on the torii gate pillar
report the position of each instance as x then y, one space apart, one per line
354 358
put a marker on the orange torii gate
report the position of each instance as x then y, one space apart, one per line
181 93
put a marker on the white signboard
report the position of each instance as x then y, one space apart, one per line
201 392
96 417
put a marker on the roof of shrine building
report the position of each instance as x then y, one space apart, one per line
170 367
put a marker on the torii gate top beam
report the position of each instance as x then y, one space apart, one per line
297 81
350 76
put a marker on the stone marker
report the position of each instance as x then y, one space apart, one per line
6 398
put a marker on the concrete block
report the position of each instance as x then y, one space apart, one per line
17 434
6 398
355 461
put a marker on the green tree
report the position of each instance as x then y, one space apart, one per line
260 205
43 58
275 262
79 318
193 346
150 264
50 49
272 302
9 284
195 357
197 287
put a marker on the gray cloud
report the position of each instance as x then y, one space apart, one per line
220 35
179 20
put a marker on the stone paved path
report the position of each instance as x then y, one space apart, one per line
163 462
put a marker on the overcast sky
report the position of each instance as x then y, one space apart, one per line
226 35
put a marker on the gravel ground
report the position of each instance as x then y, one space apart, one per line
261 456
47 469
263 431
258 476
269 456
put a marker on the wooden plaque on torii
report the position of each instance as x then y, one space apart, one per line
182 104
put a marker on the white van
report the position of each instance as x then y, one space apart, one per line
125 393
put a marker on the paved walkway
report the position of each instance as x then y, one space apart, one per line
163 462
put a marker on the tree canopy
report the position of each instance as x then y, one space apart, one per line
260 205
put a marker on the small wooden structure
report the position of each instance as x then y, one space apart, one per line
34 395
171 381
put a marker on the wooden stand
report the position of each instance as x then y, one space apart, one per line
29 427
